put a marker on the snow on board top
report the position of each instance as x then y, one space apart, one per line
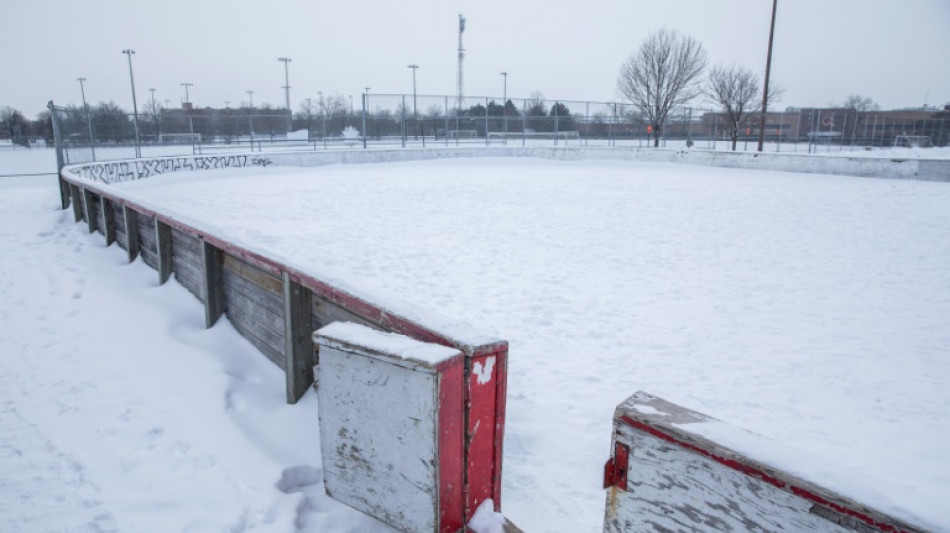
347 335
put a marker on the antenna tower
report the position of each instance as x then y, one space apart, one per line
461 99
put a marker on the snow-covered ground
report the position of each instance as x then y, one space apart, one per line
808 308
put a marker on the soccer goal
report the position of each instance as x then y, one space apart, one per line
913 141
179 138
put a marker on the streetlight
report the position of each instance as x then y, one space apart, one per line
415 125
250 95
135 107
92 140
186 85
286 60
504 103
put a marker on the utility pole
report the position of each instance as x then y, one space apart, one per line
415 118
460 89
287 60
92 140
765 86
250 95
135 107
365 105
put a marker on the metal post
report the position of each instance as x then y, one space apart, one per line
446 132
555 122
365 98
135 108
64 195
92 139
415 116
504 104
403 120
486 121
781 126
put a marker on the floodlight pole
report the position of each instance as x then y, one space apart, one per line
135 107
92 140
286 88
186 85
765 87
415 118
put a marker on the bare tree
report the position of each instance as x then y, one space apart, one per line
857 102
736 91
664 73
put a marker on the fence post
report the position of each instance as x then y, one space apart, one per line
402 125
486 121
446 131
58 143
365 96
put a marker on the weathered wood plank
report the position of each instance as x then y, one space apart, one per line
187 262
212 284
272 354
258 318
250 325
77 201
386 466
89 206
255 293
679 479
130 220
298 346
146 234
258 277
163 250
324 313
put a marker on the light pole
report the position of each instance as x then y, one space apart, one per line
286 60
186 85
250 95
92 140
135 107
415 118
504 102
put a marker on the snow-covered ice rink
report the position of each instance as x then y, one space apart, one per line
811 309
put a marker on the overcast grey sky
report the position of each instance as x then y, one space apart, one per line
896 52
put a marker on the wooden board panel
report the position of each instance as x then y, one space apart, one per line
186 261
147 242
378 433
253 302
130 223
677 479
212 283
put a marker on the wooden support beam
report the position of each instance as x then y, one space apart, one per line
298 348
88 210
64 192
77 202
108 219
212 290
131 218
163 247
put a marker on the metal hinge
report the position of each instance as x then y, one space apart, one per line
615 471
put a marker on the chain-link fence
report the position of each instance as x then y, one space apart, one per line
408 120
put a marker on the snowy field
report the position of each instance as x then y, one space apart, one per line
807 308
